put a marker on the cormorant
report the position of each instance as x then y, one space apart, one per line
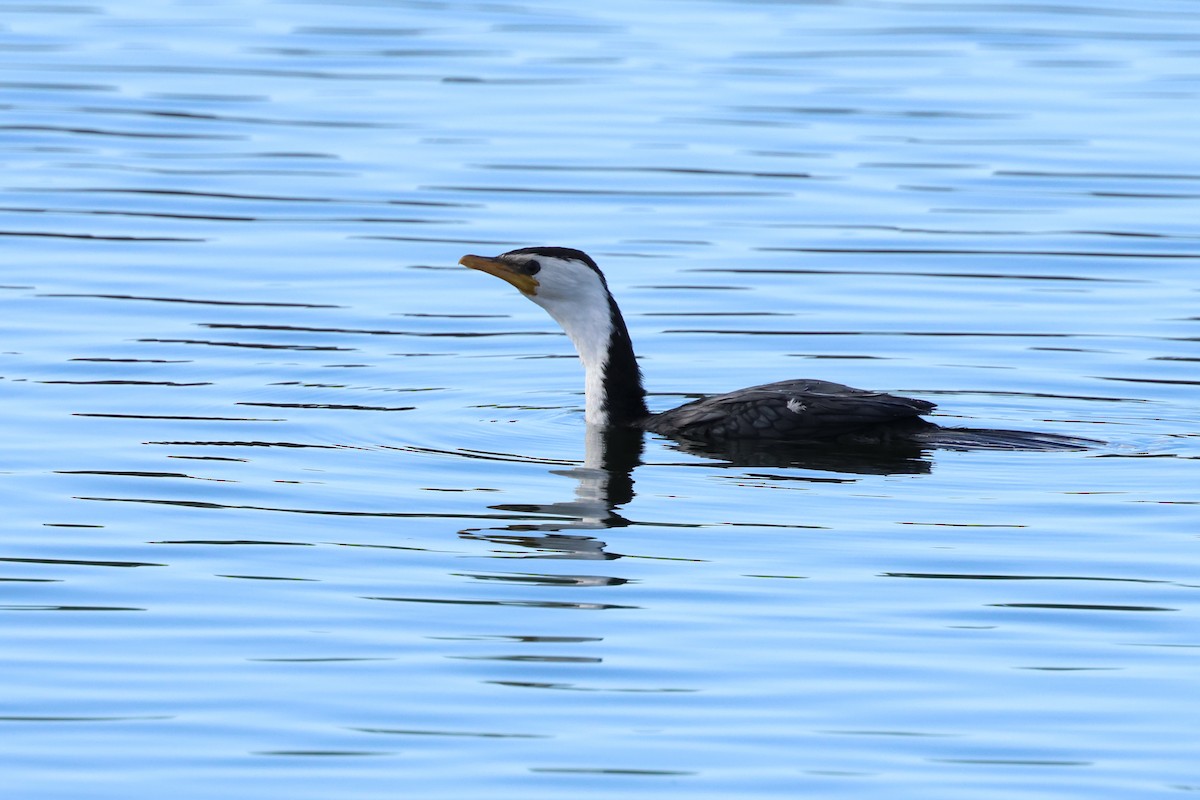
572 289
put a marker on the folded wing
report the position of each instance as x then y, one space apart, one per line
787 410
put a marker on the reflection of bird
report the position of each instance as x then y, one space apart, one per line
569 285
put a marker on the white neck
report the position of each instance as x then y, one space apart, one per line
574 294
589 325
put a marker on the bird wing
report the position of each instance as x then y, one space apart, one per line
795 409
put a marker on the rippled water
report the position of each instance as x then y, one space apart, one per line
296 507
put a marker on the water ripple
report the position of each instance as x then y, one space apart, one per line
228 200
263 304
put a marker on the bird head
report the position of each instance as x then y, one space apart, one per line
556 278
569 286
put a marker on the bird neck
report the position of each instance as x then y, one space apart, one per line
613 383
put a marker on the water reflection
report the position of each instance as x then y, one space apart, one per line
604 481
901 456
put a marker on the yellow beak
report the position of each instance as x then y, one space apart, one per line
527 284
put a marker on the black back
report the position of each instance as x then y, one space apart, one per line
796 410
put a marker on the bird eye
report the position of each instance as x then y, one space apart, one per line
531 267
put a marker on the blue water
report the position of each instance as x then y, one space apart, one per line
296 507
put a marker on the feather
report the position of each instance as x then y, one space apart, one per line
796 409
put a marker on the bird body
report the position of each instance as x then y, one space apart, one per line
801 409
569 285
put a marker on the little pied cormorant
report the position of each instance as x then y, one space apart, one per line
572 289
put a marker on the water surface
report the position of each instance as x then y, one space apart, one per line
295 506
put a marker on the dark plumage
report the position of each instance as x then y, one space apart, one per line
797 409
